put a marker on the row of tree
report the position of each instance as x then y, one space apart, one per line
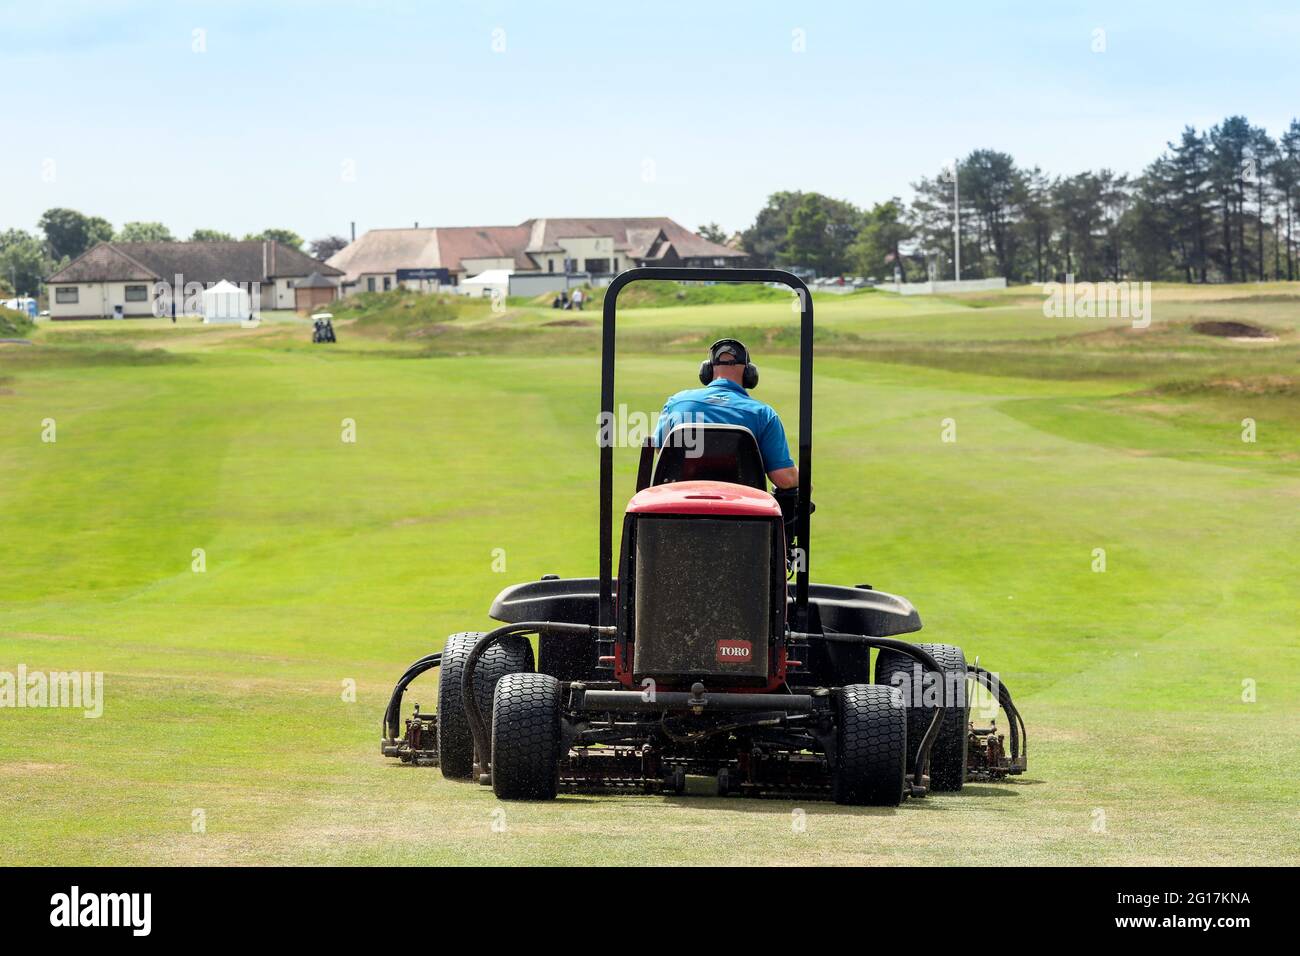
1216 206
63 234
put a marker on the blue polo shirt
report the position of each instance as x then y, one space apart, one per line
723 402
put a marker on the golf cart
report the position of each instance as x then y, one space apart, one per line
701 657
322 328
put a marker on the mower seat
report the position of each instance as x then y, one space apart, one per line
710 452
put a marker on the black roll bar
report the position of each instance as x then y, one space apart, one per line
799 620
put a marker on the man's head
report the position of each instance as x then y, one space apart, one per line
729 359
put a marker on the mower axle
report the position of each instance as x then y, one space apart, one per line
666 701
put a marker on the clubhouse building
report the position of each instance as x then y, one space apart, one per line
538 254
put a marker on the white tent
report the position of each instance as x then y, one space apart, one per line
493 282
226 302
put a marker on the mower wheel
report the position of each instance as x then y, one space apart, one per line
674 781
948 755
871 747
724 782
509 655
526 737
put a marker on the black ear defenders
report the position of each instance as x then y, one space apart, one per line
750 378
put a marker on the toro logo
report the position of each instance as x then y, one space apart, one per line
735 652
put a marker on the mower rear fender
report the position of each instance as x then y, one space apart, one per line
856 610
552 598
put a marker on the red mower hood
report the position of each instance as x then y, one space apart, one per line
704 498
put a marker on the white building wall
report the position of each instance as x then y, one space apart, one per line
582 249
944 286
281 294
364 282
473 267
98 299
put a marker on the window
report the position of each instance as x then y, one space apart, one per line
137 293
550 265
370 284
388 283
598 266
66 295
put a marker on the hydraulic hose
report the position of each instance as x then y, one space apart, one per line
393 711
1019 735
477 725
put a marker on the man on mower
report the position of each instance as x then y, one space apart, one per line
727 375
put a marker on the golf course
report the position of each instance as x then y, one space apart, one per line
251 537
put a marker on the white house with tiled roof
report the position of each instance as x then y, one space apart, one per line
126 277
383 258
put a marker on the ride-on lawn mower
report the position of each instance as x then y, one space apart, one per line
700 658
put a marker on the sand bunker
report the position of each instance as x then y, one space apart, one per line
1236 331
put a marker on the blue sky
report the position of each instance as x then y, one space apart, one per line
312 115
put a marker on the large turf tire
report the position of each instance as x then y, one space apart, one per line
871 747
510 655
526 737
948 756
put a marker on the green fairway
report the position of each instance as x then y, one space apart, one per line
1162 695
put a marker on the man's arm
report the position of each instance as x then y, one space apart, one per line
784 477
776 452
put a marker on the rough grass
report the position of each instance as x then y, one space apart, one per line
660 295
14 324
329 562
402 314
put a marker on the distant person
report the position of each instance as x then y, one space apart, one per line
578 299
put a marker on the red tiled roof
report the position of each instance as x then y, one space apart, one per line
101 262
387 250
635 236
483 242
384 251
253 260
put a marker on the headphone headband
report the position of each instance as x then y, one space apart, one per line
737 348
